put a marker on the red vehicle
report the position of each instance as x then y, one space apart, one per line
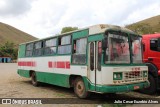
151 56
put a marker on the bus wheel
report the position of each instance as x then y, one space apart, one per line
34 79
152 88
80 89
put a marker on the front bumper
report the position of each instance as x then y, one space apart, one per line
118 88
121 88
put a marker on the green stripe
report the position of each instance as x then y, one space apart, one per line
80 34
98 37
113 88
53 78
23 73
46 77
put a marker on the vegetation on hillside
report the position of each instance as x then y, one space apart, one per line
68 29
147 26
8 49
141 28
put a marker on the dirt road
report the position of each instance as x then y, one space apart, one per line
14 86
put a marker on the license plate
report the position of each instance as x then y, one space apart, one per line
136 87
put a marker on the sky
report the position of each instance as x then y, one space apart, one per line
44 18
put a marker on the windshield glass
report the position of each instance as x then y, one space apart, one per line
136 49
117 50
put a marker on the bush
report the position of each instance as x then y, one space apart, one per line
9 49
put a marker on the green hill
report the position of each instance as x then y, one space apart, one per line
11 34
150 25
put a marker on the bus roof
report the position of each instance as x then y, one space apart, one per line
151 35
95 29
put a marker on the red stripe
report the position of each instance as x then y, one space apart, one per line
27 63
20 63
50 64
23 63
67 65
54 64
32 64
60 64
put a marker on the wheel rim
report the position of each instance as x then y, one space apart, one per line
80 88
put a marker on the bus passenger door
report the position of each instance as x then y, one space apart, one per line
94 62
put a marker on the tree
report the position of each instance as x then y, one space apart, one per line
68 29
8 49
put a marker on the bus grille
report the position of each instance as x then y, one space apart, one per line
132 76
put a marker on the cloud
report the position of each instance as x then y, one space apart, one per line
14 7
43 18
150 10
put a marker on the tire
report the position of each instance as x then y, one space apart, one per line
152 88
80 89
34 79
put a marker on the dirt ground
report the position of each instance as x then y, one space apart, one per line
14 86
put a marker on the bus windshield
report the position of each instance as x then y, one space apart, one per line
136 49
117 50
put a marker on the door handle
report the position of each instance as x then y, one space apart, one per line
150 59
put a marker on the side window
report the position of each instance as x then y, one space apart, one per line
29 49
99 56
79 51
92 56
154 44
64 45
38 48
50 46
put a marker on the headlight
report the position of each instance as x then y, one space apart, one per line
117 76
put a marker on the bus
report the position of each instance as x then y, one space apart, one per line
101 58
151 56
